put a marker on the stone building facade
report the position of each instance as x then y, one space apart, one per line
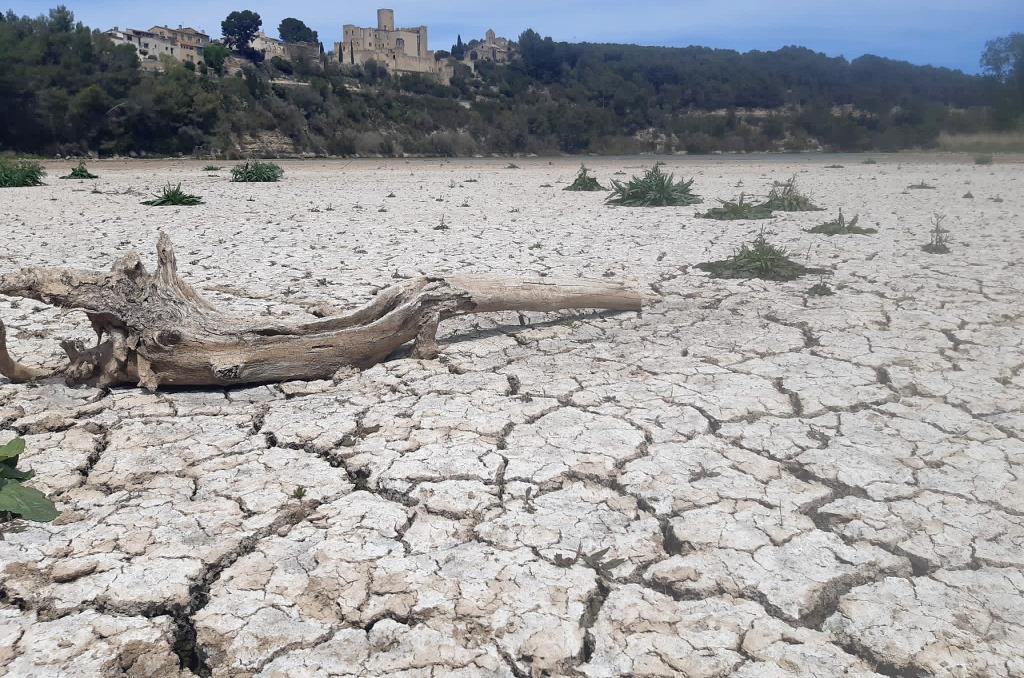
400 50
190 41
491 48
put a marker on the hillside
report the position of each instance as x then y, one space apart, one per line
70 91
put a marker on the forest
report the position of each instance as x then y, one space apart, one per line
68 90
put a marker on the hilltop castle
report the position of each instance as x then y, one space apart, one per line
401 50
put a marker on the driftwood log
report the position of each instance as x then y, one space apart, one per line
154 330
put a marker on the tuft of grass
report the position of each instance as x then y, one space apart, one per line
870 161
833 167
733 211
921 187
820 289
256 171
585 182
653 189
786 197
759 259
984 159
840 226
511 165
80 172
19 173
938 241
173 195
212 168
968 196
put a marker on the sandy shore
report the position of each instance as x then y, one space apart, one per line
742 480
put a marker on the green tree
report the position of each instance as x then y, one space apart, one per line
1003 60
294 30
214 57
239 28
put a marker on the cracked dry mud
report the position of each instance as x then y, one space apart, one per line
775 484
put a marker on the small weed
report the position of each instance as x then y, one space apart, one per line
840 226
80 172
442 226
870 161
921 187
740 209
654 189
984 159
19 173
299 493
759 259
938 242
470 181
968 196
511 165
585 182
211 168
391 195
256 171
820 289
596 560
833 167
786 197
173 195
16 499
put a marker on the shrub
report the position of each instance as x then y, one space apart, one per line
840 226
938 242
585 182
173 195
759 259
256 171
654 189
211 168
15 498
80 172
785 197
984 159
820 289
921 187
18 173
733 211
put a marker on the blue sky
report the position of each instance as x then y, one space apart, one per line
939 32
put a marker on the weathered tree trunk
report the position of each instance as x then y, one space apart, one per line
155 330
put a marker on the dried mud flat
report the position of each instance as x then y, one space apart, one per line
743 480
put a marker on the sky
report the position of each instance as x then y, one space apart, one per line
950 33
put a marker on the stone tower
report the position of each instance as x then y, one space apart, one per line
385 19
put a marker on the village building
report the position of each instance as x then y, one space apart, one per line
491 48
270 47
148 46
399 50
190 42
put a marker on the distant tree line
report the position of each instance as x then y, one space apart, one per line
66 89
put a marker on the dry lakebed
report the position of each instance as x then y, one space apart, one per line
748 478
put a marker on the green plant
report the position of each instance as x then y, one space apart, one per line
511 165
256 171
984 159
938 241
27 502
173 195
921 187
299 493
80 172
740 209
585 182
211 168
839 226
759 259
870 161
18 173
820 289
786 197
654 189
